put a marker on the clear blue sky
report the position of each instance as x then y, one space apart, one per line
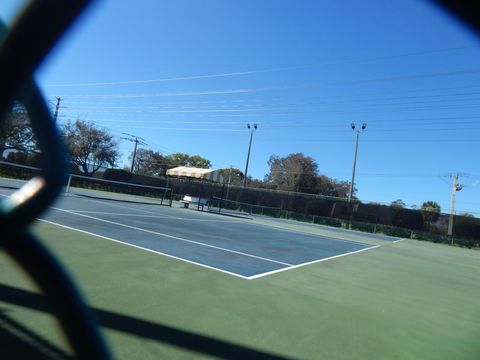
187 76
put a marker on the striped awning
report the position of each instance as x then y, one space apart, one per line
197 173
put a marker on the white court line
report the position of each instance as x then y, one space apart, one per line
310 263
207 266
147 216
393 242
173 237
110 203
289 266
142 248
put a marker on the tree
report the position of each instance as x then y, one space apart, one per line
182 159
431 209
430 212
89 147
151 163
400 204
25 158
299 173
294 172
234 174
16 132
332 187
431 206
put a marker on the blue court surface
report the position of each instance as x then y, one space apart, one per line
238 247
352 234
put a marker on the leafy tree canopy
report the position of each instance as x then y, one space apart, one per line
299 173
430 212
151 163
294 172
233 176
398 204
431 206
89 146
16 132
182 159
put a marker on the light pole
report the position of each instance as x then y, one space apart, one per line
364 125
251 129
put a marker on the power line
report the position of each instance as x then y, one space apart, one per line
286 87
261 102
373 140
251 72
263 107
183 129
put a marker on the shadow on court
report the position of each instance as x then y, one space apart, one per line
18 340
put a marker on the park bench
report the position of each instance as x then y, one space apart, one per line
198 202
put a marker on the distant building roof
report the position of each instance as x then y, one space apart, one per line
197 173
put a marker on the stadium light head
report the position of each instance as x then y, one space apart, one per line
255 126
248 126
364 125
353 126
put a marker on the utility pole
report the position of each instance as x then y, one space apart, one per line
251 129
55 115
136 140
456 187
364 125
134 154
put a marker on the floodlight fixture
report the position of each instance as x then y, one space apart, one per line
353 126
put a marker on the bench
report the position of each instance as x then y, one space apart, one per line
198 202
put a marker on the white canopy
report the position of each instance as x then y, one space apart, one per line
197 173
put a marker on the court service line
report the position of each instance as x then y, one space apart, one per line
133 208
110 203
173 237
311 262
148 216
142 248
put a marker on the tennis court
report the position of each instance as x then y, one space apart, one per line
240 247
357 306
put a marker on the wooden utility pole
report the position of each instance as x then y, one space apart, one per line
136 140
55 115
456 187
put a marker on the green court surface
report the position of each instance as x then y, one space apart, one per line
402 300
